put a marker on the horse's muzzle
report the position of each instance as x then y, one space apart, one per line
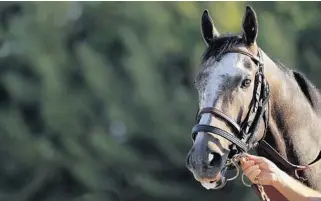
218 183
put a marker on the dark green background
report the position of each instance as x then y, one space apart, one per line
97 98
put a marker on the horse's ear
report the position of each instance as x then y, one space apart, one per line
208 30
250 26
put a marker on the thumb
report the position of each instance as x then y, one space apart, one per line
243 160
254 158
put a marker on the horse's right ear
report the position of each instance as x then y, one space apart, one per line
208 30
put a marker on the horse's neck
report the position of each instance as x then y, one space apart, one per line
294 126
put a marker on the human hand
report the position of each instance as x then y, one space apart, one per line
260 170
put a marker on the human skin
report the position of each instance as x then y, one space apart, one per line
268 173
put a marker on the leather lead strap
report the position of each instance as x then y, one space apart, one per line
288 166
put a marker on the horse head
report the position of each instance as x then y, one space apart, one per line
233 97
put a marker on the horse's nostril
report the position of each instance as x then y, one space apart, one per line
213 158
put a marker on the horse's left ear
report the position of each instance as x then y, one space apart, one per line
209 32
250 26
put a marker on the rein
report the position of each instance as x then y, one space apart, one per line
245 133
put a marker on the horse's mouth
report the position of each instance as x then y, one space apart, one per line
218 182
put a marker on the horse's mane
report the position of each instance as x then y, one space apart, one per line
220 45
311 92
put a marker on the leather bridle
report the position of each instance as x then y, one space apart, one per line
246 133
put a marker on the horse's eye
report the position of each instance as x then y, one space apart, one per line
246 83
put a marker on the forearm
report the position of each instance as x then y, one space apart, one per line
293 190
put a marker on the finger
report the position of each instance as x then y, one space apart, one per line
243 161
264 179
247 165
251 169
253 174
256 159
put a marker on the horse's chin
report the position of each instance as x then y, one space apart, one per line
218 183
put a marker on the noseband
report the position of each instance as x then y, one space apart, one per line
245 136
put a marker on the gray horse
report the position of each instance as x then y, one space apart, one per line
227 83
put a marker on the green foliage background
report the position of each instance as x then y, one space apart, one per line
97 98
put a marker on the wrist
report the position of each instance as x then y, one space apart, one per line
278 182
